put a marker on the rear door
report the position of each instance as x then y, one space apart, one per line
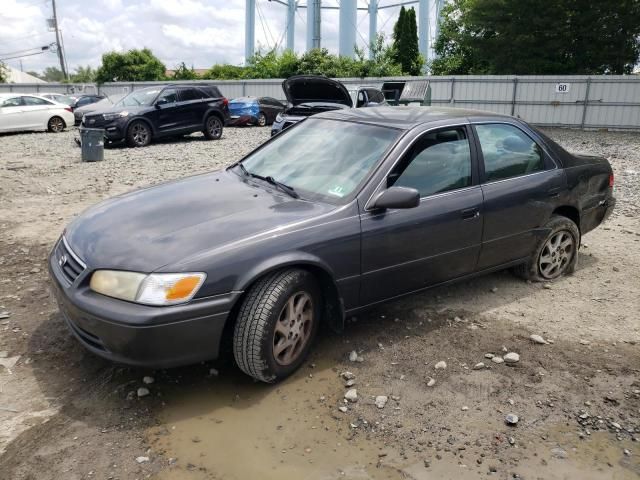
35 111
11 117
193 101
404 250
520 183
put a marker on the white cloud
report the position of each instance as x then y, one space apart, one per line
198 32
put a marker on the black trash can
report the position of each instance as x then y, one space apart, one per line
92 144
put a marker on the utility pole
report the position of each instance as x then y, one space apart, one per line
58 42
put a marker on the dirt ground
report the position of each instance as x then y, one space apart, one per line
65 414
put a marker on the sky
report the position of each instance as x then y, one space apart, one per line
198 32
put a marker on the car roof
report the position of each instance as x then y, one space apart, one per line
404 117
19 94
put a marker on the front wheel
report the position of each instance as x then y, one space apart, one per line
555 254
276 325
262 120
213 128
138 134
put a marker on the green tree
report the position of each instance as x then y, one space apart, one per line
84 75
134 65
182 72
538 37
225 72
52 74
3 73
405 42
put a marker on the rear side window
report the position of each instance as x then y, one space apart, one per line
11 102
187 94
35 101
84 101
211 92
437 162
508 152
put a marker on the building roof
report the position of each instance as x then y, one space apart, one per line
16 76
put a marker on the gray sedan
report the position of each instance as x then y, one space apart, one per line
345 210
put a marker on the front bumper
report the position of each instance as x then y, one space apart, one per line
140 335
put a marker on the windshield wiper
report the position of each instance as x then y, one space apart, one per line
269 179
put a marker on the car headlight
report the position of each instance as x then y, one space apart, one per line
154 289
113 116
279 117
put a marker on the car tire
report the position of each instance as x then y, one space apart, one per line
56 124
555 254
213 127
138 134
276 325
262 120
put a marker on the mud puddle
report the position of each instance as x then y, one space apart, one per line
233 428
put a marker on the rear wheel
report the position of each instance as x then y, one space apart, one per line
262 119
56 125
276 325
138 134
213 128
555 254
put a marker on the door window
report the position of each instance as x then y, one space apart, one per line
187 94
508 152
12 102
35 101
375 96
437 162
170 95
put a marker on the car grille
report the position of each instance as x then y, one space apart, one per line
69 263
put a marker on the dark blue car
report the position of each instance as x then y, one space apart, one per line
259 111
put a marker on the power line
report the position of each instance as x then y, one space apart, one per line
22 56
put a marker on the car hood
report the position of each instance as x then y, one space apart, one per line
94 107
132 110
310 88
151 228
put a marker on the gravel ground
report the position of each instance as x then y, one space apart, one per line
66 414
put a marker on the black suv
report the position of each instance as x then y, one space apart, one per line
163 111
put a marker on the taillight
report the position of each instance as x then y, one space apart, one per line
611 180
225 102
69 109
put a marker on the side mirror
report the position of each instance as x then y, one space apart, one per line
160 102
397 197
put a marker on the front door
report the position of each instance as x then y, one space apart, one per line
170 114
404 250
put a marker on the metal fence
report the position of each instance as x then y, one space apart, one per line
572 101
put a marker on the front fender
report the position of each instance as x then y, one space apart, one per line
333 305
279 262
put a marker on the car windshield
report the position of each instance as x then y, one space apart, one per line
322 159
144 96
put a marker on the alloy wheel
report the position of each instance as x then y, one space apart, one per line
214 126
293 328
56 125
556 254
140 134
262 120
